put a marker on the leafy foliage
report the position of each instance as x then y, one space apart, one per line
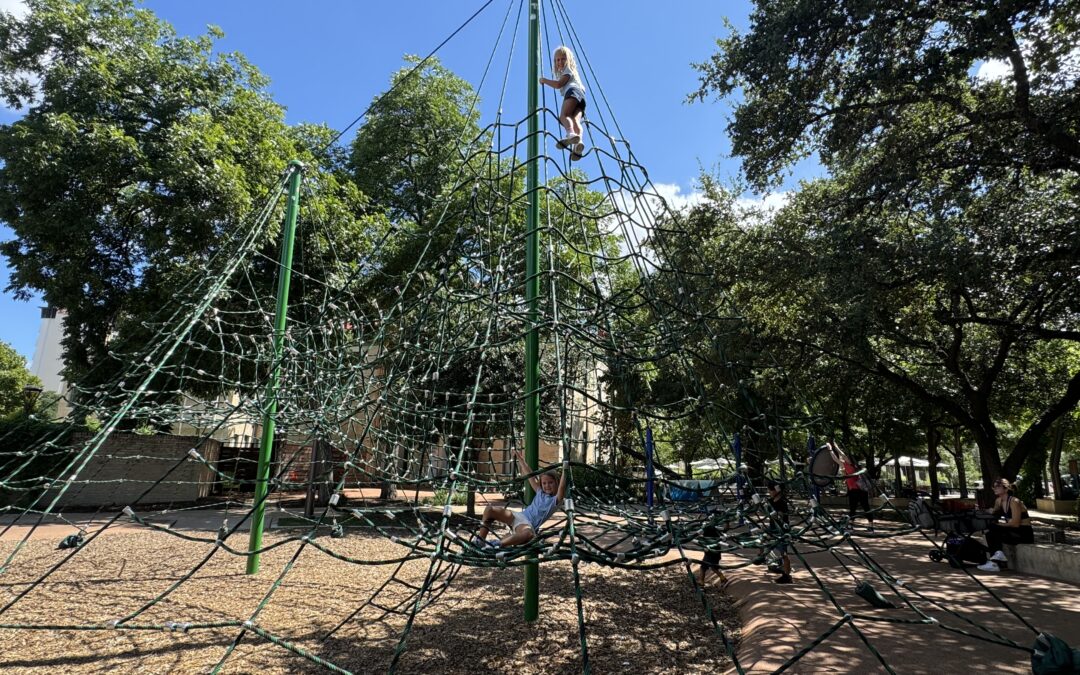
13 378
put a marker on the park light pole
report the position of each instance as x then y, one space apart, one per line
31 393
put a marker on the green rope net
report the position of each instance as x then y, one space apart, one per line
402 369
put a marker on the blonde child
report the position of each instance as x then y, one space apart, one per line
524 526
569 85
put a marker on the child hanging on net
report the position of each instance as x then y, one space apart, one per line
524 526
573 106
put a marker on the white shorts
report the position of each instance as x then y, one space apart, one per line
519 520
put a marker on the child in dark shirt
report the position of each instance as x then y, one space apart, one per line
778 501
711 561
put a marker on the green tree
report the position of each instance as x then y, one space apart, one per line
839 78
14 377
138 154
825 277
415 141
942 254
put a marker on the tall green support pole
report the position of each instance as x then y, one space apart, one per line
262 477
532 297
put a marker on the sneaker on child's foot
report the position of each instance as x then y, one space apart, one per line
989 566
577 152
999 556
569 141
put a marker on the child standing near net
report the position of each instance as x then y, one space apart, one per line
779 526
569 85
524 526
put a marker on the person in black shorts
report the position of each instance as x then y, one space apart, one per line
779 527
568 82
711 561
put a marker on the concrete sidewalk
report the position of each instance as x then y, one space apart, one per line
778 620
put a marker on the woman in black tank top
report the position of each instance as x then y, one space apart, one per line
1016 528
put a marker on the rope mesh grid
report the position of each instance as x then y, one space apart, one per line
405 360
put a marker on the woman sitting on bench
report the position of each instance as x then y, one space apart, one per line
1015 530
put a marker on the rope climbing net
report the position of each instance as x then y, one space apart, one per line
402 368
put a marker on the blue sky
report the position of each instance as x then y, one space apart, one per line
327 60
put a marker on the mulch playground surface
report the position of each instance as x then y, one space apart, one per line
649 622
637 622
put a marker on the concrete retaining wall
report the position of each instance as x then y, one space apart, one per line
1054 561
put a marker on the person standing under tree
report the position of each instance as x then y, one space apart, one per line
858 498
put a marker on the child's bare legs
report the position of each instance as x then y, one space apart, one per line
523 535
704 569
492 513
570 117
575 119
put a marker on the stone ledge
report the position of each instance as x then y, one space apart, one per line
1053 561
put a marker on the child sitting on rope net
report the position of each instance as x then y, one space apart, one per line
524 526
573 106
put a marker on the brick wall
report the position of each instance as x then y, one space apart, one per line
127 464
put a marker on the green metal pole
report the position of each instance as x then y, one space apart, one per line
262 477
532 298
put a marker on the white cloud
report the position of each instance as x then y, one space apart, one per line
673 195
19 9
770 203
16 7
994 70
636 214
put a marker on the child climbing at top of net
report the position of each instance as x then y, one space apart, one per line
550 489
569 85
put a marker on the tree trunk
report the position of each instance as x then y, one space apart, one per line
961 469
1030 438
470 498
1055 459
388 489
933 437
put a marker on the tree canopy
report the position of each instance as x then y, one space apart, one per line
940 255
843 78
138 152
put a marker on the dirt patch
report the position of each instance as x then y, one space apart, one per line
640 621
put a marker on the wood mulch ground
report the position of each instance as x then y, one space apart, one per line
642 622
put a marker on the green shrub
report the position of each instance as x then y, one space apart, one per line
23 436
459 498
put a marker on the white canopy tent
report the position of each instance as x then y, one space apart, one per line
915 462
712 464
